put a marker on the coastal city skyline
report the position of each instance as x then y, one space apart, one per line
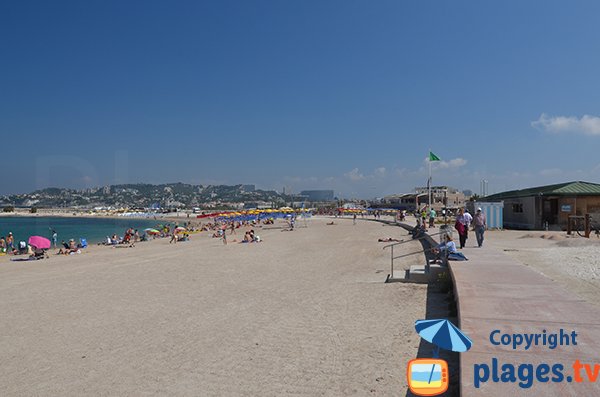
336 95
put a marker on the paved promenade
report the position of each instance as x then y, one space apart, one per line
495 292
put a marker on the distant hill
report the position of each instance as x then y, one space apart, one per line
170 195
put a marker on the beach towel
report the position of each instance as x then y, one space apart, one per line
24 259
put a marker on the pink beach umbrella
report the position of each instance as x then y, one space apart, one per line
39 242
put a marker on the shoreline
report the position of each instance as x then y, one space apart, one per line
70 214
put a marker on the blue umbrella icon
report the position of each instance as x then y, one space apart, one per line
443 334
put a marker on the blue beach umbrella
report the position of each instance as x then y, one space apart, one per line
443 334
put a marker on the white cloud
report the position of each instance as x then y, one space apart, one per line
550 172
380 171
401 172
588 125
454 163
354 175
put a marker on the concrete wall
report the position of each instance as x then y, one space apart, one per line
527 219
578 206
531 217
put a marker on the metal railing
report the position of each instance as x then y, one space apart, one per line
392 257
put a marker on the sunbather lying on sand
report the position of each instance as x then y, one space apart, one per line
38 254
387 240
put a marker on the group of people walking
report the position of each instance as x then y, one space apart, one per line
464 221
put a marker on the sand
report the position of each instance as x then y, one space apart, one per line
304 313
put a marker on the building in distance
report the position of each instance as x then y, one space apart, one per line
317 195
549 206
441 197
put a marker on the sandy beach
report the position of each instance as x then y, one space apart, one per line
302 313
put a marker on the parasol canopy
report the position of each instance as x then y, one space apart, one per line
443 334
39 242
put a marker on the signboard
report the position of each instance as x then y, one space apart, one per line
565 208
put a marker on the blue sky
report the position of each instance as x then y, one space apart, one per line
347 95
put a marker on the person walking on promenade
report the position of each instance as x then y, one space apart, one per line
479 225
463 220
432 215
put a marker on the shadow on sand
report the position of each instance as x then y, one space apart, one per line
440 304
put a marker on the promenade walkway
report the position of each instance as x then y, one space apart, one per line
496 292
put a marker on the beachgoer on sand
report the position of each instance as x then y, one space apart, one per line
70 248
10 242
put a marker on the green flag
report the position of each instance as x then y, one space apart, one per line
433 157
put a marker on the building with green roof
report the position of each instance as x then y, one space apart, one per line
549 206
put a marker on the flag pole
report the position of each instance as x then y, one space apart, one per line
429 180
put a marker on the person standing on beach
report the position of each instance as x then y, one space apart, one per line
479 224
10 242
54 237
354 219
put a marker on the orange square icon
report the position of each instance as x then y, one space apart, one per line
427 376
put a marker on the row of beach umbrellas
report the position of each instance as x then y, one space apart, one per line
179 229
249 215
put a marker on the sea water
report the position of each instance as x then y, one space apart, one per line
92 229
